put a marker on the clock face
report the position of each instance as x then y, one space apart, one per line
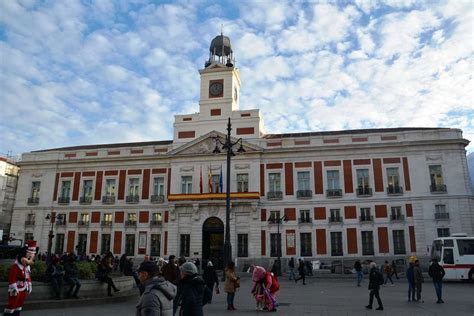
216 88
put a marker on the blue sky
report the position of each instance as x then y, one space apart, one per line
90 72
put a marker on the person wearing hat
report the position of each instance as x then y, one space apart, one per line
210 278
157 298
191 291
19 279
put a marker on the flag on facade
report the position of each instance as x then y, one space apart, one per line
200 182
220 181
209 180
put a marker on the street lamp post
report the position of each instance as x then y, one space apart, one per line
278 220
51 217
228 145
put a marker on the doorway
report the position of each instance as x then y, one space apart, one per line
213 242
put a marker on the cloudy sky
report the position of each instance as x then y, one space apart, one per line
88 72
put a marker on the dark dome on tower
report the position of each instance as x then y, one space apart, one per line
220 52
221 46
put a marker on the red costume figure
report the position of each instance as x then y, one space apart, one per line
19 279
265 288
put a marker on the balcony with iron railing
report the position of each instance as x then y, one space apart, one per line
397 218
132 199
61 223
29 223
366 218
131 223
305 220
85 200
442 216
364 191
83 223
304 194
274 195
63 200
335 219
155 223
438 188
334 193
108 199
394 190
33 200
106 223
160 198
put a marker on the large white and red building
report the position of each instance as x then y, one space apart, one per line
353 193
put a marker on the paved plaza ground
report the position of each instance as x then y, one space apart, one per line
321 296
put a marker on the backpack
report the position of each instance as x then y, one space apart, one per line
275 284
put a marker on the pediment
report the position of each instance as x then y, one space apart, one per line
205 145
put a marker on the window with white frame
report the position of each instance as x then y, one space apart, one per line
274 216
186 184
436 175
303 181
274 182
393 177
333 179
440 209
105 243
305 245
35 189
443 232
367 243
336 244
87 189
335 215
132 218
155 244
84 218
65 189
399 242
184 245
133 186
216 183
242 245
365 214
275 245
363 178
156 217
158 186
108 218
242 182
396 213
110 187
305 216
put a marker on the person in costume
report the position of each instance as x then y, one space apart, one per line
264 288
19 279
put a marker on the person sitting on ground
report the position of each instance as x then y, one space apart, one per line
103 271
157 298
72 276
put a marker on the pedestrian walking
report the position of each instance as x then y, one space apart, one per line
302 272
72 276
157 298
232 283
411 282
375 280
291 269
358 270
170 270
418 276
192 291
437 273
387 269
394 269
56 271
210 278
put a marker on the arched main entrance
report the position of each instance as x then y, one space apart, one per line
213 241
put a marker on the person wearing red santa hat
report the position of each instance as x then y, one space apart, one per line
19 279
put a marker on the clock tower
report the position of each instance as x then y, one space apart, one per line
219 100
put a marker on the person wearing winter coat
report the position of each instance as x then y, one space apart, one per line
375 280
157 298
191 292
72 276
411 282
230 285
418 280
437 273
210 278
302 271
358 269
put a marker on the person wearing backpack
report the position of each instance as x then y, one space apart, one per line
437 273
375 281
157 298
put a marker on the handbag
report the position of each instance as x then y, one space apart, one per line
237 283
